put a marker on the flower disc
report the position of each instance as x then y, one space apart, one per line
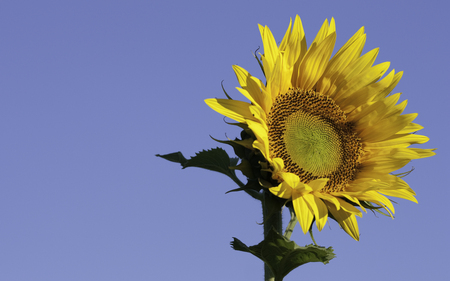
310 133
312 143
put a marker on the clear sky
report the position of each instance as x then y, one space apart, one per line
90 91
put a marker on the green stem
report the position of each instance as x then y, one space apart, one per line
272 219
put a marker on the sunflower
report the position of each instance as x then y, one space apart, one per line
329 127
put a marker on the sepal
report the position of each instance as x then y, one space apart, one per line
238 145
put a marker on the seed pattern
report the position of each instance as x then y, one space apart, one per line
315 104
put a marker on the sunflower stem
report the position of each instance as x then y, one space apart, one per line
272 218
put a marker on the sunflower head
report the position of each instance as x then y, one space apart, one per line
328 127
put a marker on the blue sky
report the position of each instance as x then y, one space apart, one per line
90 91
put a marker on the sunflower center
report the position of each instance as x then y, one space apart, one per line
312 143
310 133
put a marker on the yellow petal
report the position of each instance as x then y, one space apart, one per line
302 211
372 112
361 80
375 181
292 180
293 43
339 62
403 140
287 35
318 184
367 93
352 44
324 31
250 88
394 83
277 164
260 115
263 147
349 208
377 198
329 198
260 132
268 67
282 191
319 209
397 153
298 29
387 127
346 220
332 28
300 47
412 127
280 80
315 62
401 193
361 185
354 200
396 109
353 69
271 51
234 109
378 89
388 166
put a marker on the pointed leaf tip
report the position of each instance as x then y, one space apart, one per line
176 157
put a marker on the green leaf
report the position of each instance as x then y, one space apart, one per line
282 255
176 157
215 159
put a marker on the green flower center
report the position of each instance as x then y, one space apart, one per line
312 143
312 136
